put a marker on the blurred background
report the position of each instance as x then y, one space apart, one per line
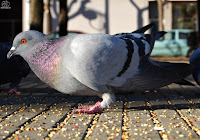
60 17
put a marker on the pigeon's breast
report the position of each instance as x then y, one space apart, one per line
45 61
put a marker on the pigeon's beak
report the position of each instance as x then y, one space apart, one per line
11 52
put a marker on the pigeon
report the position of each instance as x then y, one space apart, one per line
98 64
13 70
195 61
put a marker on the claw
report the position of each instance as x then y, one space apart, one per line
11 92
89 109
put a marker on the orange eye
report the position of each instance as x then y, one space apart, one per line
23 41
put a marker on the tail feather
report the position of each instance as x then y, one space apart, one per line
153 36
160 34
145 28
184 82
138 37
182 69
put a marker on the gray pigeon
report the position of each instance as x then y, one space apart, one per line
98 64
13 70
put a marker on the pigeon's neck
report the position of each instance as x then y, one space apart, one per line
45 59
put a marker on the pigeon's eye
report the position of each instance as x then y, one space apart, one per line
23 41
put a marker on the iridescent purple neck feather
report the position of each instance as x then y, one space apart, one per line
45 60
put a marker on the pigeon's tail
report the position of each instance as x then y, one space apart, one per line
139 35
155 35
145 28
195 61
150 38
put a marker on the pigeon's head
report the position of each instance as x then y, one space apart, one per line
22 40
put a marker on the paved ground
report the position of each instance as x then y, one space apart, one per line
40 112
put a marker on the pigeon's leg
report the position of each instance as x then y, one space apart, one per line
106 101
11 92
14 88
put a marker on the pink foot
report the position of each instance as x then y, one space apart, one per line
89 109
11 92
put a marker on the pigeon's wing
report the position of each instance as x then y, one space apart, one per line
151 76
100 61
144 41
96 59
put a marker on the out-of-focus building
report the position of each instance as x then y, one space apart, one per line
107 16
100 16
177 14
